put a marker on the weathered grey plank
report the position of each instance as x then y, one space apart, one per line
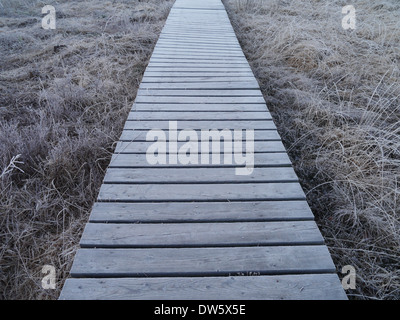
201 192
168 38
205 31
278 287
136 135
199 44
197 61
200 65
199 73
155 235
202 85
181 69
213 100
140 161
200 49
201 261
182 147
199 124
220 107
198 175
199 93
195 54
168 44
208 32
174 37
190 38
198 115
200 211
203 78
201 31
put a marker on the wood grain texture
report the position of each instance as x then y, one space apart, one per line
193 107
201 261
199 93
244 85
198 115
195 99
139 160
167 212
196 78
227 148
197 175
202 124
246 287
139 135
201 192
103 235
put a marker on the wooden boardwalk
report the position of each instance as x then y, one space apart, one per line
199 230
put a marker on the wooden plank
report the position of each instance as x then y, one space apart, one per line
212 71
213 100
199 49
197 72
185 107
195 55
155 235
195 75
259 135
196 51
164 212
281 287
218 32
201 261
201 192
202 125
198 175
244 85
140 161
173 37
209 30
193 19
204 64
151 79
210 33
198 115
197 61
168 38
182 39
185 27
190 6
227 148
171 43
208 50
199 93
207 35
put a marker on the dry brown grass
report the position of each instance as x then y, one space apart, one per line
64 96
335 97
